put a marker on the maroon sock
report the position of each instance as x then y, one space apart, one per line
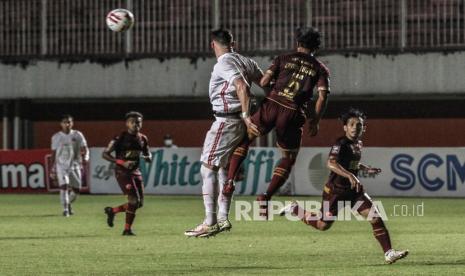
280 175
121 208
238 156
381 234
130 215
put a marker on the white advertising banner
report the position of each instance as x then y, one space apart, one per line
423 172
177 171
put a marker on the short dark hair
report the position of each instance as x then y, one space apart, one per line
308 37
133 114
352 113
66 116
222 36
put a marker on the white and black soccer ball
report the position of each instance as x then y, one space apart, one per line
120 20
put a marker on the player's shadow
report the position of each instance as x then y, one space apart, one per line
425 263
48 237
457 262
31 216
225 268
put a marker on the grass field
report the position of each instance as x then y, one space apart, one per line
36 240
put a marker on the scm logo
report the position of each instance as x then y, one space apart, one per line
449 168
22 176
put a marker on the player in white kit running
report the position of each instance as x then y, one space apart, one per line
229 92
69 151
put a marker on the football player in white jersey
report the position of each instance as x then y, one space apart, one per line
229 92
69 150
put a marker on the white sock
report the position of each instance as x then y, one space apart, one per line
64 199
224 202
210 193
72 196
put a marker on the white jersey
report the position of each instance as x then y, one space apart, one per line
230 66
67 149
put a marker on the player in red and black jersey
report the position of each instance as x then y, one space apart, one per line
344 186
129 146
289 104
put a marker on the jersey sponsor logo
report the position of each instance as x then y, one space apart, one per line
132 154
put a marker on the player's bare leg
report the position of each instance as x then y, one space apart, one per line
382 235
209 226
64 199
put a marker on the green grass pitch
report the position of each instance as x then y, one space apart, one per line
36 240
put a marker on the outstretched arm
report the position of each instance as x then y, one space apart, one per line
369 170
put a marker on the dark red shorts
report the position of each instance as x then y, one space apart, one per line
288 123
131 185
332 195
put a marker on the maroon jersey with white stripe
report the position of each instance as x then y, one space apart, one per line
295 76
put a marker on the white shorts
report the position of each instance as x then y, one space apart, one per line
221 141
71 176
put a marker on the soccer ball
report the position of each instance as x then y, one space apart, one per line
120 20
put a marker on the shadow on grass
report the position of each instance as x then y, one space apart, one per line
424 263
221 268
31 216
48 237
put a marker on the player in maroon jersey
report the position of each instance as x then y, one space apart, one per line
343 185
129 146
287 107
